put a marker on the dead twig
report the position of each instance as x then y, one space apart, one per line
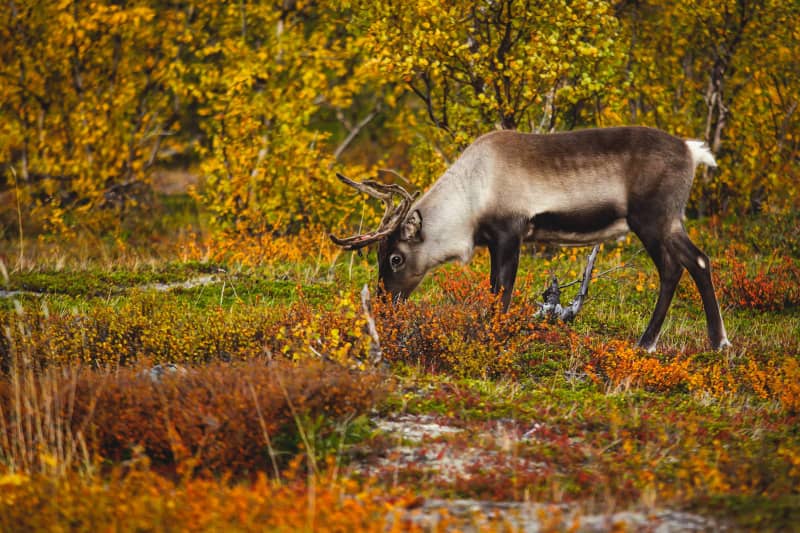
552 308
375 351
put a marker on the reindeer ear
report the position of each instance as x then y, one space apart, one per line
412 228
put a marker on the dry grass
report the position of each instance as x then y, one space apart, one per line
276 381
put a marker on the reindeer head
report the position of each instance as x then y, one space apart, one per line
398 235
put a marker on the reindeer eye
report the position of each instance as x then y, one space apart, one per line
396 261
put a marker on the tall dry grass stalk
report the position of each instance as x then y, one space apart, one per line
38 430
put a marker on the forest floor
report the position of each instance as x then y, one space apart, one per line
201 384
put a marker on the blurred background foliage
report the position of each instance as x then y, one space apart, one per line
250 107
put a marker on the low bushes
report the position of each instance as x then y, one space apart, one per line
145 501
160 328
465 333
235 418
773 286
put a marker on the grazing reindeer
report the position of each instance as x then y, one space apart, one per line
574 188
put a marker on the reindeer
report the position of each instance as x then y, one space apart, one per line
574 188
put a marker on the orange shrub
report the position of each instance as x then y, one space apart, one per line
259 248
220 417
770 288
619 363
718 379
788 385
779 380
623 364
465 333
142 500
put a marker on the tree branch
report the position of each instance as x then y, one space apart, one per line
552 308
353 132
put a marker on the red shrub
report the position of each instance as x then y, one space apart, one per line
466 332
218 417
770 288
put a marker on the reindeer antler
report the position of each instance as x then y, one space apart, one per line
392 217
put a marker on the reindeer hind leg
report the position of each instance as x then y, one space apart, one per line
698 265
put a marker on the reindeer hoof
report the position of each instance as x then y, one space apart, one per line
724 344
648 347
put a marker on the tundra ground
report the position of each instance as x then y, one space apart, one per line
198 384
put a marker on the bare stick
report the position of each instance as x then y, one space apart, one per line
552 308
353 132
375 351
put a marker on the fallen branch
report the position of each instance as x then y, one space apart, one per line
552 308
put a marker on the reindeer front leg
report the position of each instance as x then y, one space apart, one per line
504 254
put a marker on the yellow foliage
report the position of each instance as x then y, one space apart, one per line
84 107
261 248
144 500
499 65
94 97
715 70
624 364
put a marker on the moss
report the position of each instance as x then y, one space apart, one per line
97 282
754 512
